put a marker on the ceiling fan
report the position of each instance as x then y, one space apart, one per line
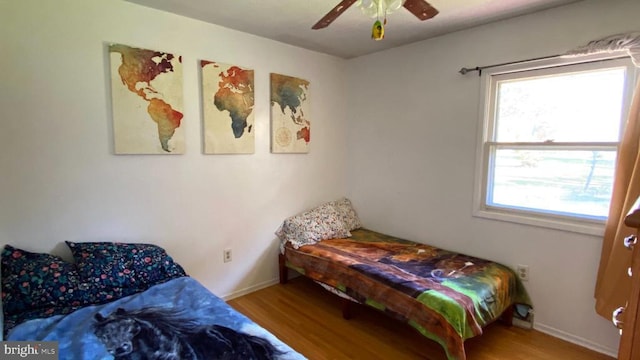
379 9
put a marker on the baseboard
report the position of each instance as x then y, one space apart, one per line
575 339
250 289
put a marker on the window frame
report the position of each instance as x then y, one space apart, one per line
487 123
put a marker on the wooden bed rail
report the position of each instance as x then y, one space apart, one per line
283 270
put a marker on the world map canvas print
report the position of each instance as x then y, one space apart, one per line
290 125
147 99
228 99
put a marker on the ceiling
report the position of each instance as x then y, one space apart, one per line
290 21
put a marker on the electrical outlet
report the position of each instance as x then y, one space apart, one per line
226 255
523 272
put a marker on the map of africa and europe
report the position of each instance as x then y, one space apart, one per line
147 96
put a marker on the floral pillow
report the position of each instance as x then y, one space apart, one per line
348 213
36 281
136 267
321 223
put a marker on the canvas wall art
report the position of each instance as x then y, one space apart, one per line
228 99
290 124
147 99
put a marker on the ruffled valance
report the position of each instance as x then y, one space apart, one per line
629 42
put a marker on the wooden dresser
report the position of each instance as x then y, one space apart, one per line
627 318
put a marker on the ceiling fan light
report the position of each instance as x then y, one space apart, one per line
393 5
379 8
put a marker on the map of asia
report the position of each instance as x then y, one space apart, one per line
290 124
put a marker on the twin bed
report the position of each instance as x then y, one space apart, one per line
448 297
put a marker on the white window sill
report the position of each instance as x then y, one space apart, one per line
586 227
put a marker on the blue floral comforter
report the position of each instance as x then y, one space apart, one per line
178 319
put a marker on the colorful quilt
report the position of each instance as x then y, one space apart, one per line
446 296
178 319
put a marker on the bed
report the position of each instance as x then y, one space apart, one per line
124 301
448 297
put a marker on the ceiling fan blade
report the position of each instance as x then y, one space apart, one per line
421 9
333 14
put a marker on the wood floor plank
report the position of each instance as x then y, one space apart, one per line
309 319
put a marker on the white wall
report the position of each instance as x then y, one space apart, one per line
59 179
413 122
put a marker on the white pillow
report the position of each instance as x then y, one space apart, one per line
320 223
348 213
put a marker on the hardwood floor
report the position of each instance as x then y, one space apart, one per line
309 319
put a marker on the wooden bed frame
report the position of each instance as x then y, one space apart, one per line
506 317
284 277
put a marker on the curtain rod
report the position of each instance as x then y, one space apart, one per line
479 69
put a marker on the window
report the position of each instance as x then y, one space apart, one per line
549 138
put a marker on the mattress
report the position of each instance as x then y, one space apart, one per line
447 296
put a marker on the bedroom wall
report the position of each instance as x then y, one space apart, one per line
60 180
413 123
